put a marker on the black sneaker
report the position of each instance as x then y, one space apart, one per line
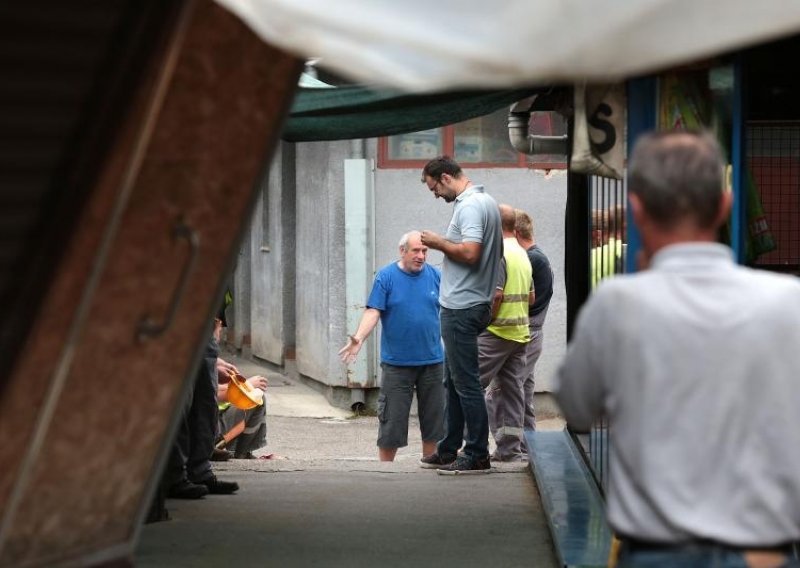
218 487
466 466
435 461
185 489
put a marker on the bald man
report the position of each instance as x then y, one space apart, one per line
405 299
502 346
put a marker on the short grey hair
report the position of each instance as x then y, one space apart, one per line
405 238
678 175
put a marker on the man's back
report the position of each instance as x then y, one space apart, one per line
511 321
542 279
698 363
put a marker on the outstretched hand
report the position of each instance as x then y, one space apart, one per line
349 352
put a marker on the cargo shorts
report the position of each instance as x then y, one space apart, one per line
394 403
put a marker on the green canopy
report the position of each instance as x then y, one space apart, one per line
351 112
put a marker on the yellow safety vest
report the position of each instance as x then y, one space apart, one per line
512 318
605 260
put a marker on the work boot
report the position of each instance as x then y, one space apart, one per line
218 487
185 489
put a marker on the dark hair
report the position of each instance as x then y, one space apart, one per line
677 175
441 165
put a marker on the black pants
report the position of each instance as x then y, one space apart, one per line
197 430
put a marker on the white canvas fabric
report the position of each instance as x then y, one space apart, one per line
425 45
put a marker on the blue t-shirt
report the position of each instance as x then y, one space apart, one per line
409 306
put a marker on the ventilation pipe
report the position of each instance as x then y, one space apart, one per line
519 117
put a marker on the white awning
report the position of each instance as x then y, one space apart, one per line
425 45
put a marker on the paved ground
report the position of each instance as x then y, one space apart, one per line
329 502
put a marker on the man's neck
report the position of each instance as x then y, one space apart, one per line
406 269
526 243
508 235
682 235
464 185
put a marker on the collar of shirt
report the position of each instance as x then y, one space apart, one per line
694 255
469 191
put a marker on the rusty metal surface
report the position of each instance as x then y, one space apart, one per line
90 461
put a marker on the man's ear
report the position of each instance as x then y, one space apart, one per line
637 209
725 205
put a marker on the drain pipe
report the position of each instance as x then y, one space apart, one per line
519 117
357 401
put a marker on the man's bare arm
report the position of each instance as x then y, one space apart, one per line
466 253
496 301
369 320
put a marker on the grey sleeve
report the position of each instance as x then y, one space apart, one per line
472 223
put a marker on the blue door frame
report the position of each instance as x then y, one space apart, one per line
642 113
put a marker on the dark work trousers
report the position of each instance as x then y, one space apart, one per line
533 353
466 419
197 431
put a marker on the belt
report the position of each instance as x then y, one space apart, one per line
637 545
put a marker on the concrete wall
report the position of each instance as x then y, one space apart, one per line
238 314
320 284
272 258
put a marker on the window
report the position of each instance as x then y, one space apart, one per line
478 142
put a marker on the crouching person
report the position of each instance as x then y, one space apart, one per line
242 431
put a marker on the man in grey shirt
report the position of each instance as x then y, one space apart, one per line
472 247
696 363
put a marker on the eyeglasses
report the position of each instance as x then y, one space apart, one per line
436 183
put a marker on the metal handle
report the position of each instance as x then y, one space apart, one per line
149 328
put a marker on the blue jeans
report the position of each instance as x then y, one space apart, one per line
465 408
687 557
